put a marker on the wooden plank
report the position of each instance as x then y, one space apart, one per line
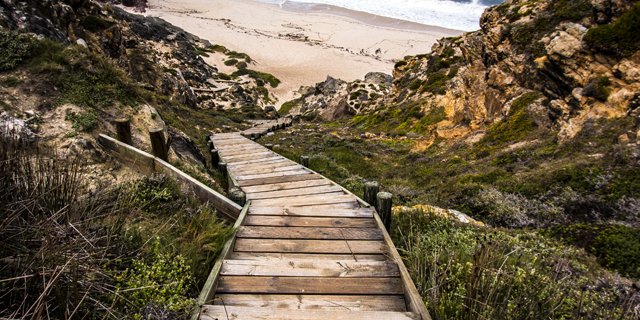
274 256
244 313
309 246
256 160
241 151
301 177
279 161
257 155
293 192
305 201
287 221
268 169
286 199
310 268
287 186
317 211
259 232
314 302
272 174
308 285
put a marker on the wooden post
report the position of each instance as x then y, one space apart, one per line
238 196
371 189
384 208
304 161
158 145
215 158
222 166
123 131
269 146
211 146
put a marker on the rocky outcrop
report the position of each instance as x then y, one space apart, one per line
468 83
335 99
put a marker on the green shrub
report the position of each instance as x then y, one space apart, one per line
400 64
242 65
161 280
467 272
14 49
415 84
230 62
239 55
93 23
621 36
83 121
218 48
287 106
518 124
436 83
598 88
273 81
617 247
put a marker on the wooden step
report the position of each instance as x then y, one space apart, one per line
287 221
287 186
293 192
305 201
310 268
262 181
244 313
310 233
309 285
314 302
331 210
299 171
283 166
310 246
273 256
258 163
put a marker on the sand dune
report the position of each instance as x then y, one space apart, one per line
300 47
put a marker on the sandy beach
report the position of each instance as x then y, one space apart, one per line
300 46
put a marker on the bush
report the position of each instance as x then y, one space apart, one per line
617 247
239 55
83 121
93 23
468 272
620 37
15 48
400 64
598 88
230 62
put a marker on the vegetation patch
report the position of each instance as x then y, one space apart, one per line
463 272
230 62
620 37
239 55
94 24
598 88
85 121
256 75
516 127
15 48
616 246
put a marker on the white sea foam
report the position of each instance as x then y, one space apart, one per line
460 15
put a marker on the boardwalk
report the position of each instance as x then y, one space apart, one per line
307 248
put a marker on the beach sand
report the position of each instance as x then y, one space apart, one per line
300 46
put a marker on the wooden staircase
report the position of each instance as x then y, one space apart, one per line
306 248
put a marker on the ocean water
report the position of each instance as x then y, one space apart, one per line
453 14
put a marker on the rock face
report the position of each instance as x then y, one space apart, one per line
468 83
335 99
